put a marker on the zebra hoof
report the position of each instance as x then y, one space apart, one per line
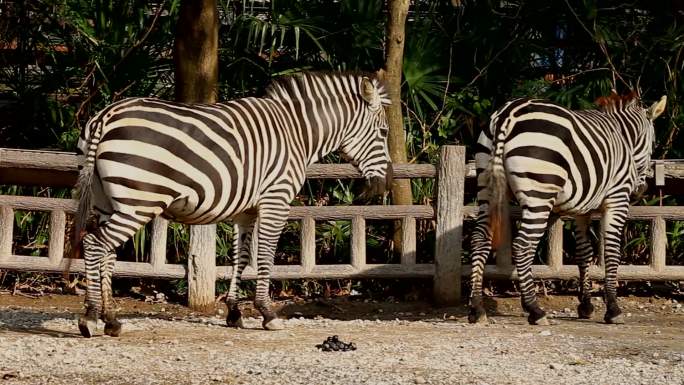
617 320
477 317
234 318
235 323
585 310
87 326
274 324
543 321
113 328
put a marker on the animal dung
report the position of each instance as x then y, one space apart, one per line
333 344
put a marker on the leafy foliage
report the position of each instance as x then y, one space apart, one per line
64 59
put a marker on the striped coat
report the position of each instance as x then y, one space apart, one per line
554 160
242 160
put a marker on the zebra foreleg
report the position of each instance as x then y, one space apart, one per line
93 254
583 256
234 317
112 325
242 243
481 246
532 226
613 223
272 220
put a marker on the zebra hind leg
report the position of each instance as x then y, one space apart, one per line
613 224
98 250
583 257
242 241
481 246
272 219
112 325
93 254
532 226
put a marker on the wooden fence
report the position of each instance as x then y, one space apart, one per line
449 212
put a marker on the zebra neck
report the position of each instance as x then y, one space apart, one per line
321 128
637 136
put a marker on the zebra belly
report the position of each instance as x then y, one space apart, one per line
182 209
179 209
579 205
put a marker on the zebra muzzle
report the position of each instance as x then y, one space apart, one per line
378 185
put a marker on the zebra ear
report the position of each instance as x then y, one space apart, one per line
368 92
657 108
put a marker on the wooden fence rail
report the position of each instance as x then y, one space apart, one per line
448 214
39 167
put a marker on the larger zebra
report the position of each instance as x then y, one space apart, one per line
552 159
242 160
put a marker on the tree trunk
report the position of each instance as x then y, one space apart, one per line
196 52
196 75
401 188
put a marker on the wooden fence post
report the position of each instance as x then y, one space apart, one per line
307 253
254 247
408 241
158 242
600 259
202 267
6 230
555 246
658 243
358 242
504 260
56 241
451 177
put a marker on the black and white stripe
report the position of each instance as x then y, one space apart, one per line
555 160
243 160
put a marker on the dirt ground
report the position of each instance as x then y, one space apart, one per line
398 343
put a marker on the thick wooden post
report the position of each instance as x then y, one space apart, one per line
56 241
451 178
658 243
307 254
358 242
196 76
6 230
202 267
555 249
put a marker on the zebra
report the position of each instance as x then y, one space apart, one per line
243 160
555 160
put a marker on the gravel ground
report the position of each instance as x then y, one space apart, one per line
164 344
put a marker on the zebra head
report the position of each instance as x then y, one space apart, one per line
638 122
365 143
650 115
643 153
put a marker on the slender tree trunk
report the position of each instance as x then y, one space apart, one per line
401 188
196 75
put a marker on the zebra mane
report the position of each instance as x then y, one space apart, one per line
286 87
616 102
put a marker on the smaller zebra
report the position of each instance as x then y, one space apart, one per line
553 160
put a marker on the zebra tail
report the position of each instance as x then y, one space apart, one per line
84 192
497 186
85 180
